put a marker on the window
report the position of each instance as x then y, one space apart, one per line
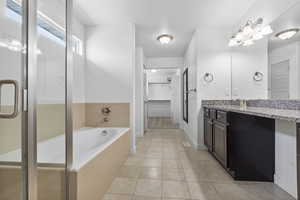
46 26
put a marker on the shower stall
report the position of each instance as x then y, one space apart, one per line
36 52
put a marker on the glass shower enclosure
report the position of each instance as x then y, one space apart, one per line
35 99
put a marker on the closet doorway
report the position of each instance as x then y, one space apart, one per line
162 98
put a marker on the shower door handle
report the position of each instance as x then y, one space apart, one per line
15 112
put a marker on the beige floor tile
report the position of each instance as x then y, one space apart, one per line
150 173
122 186
152 163
153 155
232 192
149 188
129 171
145 198
174 199
170 156
116 197
173 164
203 191
266 191
193 176
173 174
175 189
134 160
161 162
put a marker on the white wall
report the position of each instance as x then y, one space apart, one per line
139 86
51 63
110 67
164 62
109 57
208 52
175 98
190 62
213 56
285 156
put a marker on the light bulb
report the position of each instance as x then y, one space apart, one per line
267 30
247 30
239 36
257 36
248 43
165 39
287 34
233 42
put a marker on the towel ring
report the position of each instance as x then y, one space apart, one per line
258 76
208 77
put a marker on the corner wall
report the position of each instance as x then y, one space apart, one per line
110 68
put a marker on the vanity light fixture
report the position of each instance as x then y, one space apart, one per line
153 70
253 30
165 39
287 34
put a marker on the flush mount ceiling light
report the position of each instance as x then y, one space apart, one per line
165 39
287 34
250 32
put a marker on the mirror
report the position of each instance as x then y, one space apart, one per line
185 95
270 68
284 56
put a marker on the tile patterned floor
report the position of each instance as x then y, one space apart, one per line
161 123
163 169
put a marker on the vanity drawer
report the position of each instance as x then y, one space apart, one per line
221 116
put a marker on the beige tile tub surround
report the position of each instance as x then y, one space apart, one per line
50 183
119 116
90 182
94 179
50 123
79 115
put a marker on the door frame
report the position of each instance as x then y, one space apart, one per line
29 100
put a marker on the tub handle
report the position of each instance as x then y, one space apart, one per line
15 112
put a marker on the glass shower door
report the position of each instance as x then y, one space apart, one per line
51 99
33 96
11 72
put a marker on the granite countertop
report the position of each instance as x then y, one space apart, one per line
289 115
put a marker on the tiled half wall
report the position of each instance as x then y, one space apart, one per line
51 121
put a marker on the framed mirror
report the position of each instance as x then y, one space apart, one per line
185 95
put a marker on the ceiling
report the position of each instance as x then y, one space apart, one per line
153 17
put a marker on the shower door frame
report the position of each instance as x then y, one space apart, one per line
29 97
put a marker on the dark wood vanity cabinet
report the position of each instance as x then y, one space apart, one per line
208 130
243 144
215 134
220 142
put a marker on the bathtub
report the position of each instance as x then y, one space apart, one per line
97 155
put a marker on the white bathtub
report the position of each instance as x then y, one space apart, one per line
88 143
